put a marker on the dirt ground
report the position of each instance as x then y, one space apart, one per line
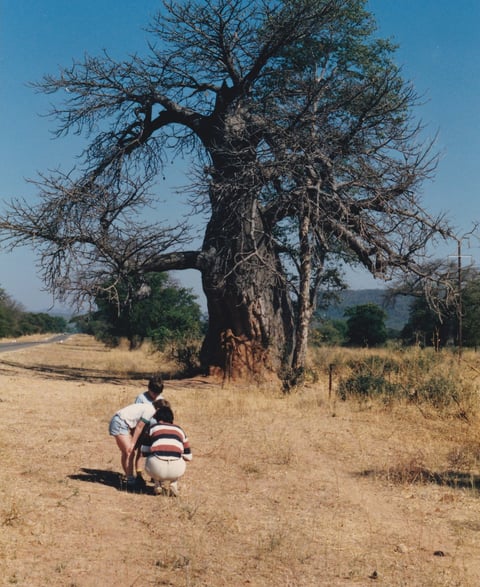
295 491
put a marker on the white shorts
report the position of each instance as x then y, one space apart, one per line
165 470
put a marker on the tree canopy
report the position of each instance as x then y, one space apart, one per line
448 313
366 325
306 154
161 311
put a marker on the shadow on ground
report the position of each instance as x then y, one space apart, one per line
108 478
69 373
421 475
76 374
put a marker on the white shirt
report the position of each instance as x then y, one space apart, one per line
133 413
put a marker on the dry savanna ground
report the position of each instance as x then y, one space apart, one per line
292 490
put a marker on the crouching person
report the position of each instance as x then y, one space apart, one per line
169 451
126 427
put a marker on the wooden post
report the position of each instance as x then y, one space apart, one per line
330 380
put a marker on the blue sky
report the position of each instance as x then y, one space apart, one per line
439 50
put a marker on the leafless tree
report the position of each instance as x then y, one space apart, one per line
307 154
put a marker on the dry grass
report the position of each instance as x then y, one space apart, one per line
299 490
82 356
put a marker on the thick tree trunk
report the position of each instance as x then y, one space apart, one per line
251 327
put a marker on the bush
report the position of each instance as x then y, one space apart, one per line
187 356
439 390
422 377
366 385
371 377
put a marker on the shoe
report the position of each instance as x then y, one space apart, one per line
131 483
173 490
160 489
140 482
136 484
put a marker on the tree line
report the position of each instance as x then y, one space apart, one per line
169 317
448 321
15 321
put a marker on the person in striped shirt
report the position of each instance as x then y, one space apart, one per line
169 452
153 393
128 422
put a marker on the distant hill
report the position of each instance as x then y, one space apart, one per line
397 314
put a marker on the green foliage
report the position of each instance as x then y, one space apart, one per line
366 325
425 327
37 323
374 376
329 332
16 322
366 385
439 389
9 315
428 328
7 322
157 309
471 313
397 308
424 378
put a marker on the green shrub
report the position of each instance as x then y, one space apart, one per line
366 385
439 390
425 378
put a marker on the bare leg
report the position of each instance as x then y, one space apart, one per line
124 443
139 460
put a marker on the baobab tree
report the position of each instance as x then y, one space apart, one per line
306 154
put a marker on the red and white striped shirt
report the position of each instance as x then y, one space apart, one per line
169 441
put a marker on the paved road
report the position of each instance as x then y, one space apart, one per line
15 346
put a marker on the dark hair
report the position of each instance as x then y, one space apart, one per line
160 402
164 414
155 384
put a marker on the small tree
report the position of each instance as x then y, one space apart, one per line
157 309
10 315
471 312
329 332
366 325
441 295
426 327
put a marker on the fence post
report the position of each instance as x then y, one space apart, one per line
330 380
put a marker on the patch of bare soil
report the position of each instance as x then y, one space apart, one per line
295 490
